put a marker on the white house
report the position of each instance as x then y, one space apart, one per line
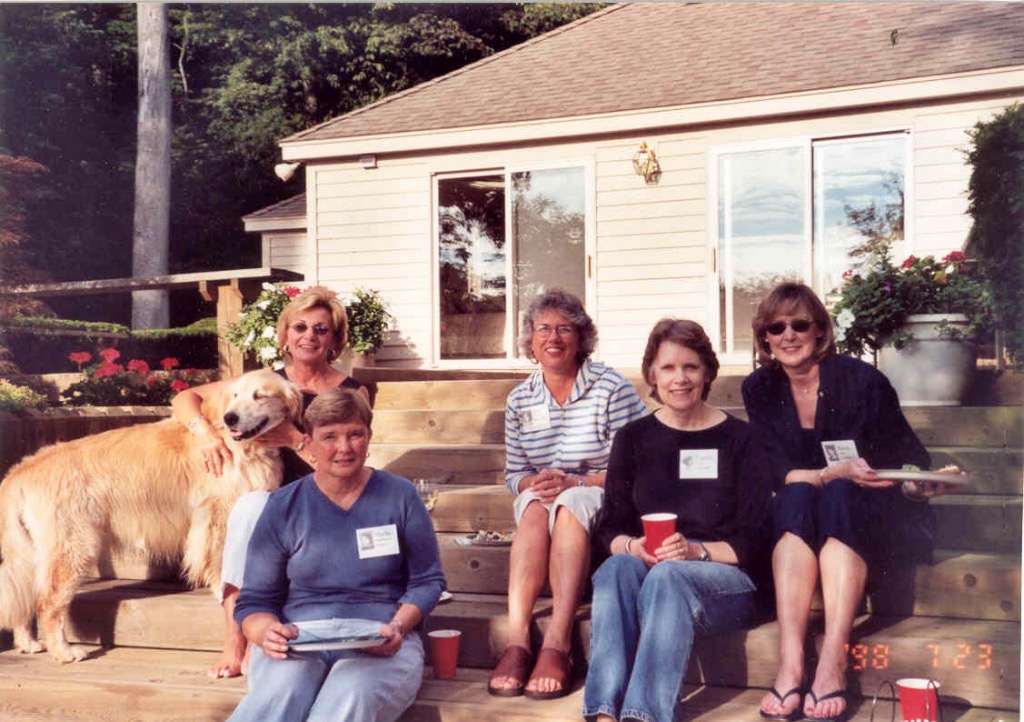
777 127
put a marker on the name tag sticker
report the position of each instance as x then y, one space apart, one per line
839 451
535 418
377 541
698 463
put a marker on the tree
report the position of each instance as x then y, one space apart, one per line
996 193
152 167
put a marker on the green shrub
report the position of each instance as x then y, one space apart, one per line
996 193
19 398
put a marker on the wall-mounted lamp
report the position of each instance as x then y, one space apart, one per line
285 171
645 164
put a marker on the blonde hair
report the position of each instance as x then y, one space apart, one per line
315 297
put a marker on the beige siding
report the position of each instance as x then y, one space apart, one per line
290 251
650 245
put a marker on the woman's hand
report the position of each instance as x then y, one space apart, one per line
274 638
212 449
549 483
635 547
395 634
860 473
674 547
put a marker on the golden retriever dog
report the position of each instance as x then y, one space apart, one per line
141 490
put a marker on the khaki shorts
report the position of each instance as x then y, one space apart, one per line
583 502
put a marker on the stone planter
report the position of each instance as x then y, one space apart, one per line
349 360
931 370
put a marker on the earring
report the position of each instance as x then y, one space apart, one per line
285 350
332 354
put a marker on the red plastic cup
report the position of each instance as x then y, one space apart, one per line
444 652
657 528
919 699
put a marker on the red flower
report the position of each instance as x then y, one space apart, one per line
190 370
909 263
110 355
179 385
107 368
955 257
292 291
80 357
847 273
169 363
151 381
138 366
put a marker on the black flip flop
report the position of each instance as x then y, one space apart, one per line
796 714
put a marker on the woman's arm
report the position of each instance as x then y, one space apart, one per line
187 410
267 632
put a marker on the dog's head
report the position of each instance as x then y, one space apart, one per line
257 402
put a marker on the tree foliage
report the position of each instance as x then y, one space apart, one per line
245 76
996 193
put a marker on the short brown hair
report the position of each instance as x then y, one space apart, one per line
337 406
685 333
786 297
315 297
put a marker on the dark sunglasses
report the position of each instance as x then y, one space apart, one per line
319 329
800 325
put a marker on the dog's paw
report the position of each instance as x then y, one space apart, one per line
32 646
70 654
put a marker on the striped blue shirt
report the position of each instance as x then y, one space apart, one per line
576 437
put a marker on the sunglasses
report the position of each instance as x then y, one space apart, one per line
318 329
800 325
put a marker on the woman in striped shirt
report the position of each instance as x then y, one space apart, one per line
559 425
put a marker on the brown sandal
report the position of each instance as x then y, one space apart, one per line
514 662
551 664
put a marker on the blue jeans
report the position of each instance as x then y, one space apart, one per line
643 623
332 686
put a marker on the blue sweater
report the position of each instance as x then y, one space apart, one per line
304 562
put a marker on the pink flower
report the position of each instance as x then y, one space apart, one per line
909 263
138 366
190 370
110 355
179 385
169 363
292 291
80 357
107 368
847 273
955 257
151 381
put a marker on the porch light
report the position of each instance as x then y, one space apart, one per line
285 171
645 164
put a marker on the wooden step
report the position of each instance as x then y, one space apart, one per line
996 471
454 464
472 508
972 522
141 685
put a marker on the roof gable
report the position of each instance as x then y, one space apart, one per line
638 56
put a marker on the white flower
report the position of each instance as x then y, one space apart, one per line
263 305
845 320
268 353
278 365
249 339
269 332
840 334
269 287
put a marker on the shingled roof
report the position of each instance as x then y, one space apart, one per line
639 56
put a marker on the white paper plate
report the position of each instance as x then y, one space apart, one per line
320 645
943 477
446 596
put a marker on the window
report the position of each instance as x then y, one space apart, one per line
801 211
503 238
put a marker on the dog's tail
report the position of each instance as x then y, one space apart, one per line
17 583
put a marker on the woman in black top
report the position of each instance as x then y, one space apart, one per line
312 331
696 461
829 421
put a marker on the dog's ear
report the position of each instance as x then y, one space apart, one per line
293 399
216 405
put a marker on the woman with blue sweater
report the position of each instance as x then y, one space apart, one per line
346 551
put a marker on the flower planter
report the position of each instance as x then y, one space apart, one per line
931 370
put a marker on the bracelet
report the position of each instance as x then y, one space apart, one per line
400 624
629 540
301 445
196 420
821 476
705 555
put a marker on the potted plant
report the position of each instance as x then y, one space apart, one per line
255 331
368 318
923 318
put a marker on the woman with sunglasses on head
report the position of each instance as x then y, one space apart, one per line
312 331
559 425
829 421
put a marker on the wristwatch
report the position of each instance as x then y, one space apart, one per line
705 555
